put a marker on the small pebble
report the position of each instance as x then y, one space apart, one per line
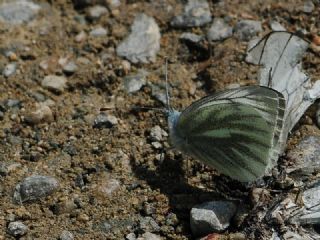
211 217
70 68
276 26
156 145
82 217
17 229
9 69
112 4
131 236
18 12
308 6
54 83
149 236
135 82
80 37
98 32
126 66
104 120
13 103
157 133
191 37
96 12
196 13
148 224
105 187
66 235
143 43
105 227
246 29
159 94
12 56
41 115
34 188
219 30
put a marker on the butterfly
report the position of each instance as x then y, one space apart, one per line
235 131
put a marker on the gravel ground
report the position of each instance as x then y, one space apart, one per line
78 160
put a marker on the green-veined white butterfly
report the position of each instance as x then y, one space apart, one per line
235 131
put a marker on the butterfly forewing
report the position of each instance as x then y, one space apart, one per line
235 131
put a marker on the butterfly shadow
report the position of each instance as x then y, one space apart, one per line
171 179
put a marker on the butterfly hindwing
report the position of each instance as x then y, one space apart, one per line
235 131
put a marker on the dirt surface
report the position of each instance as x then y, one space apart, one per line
110 178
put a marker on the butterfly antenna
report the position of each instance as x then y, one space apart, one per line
147 108
167 87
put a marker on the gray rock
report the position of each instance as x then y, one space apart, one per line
219 30
211 217
246 29
143 43
149 236
131 236
18 12
148 224
191 37
135 82
17 229
66 235
96 12
9 69
156 145
98 32
112 4
105 227
196 13
13 103
38 96
34 188
310 198
105 121
306 156
159 94
70 68
1 118
308 6
276 26
308 214
157 133
54 83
